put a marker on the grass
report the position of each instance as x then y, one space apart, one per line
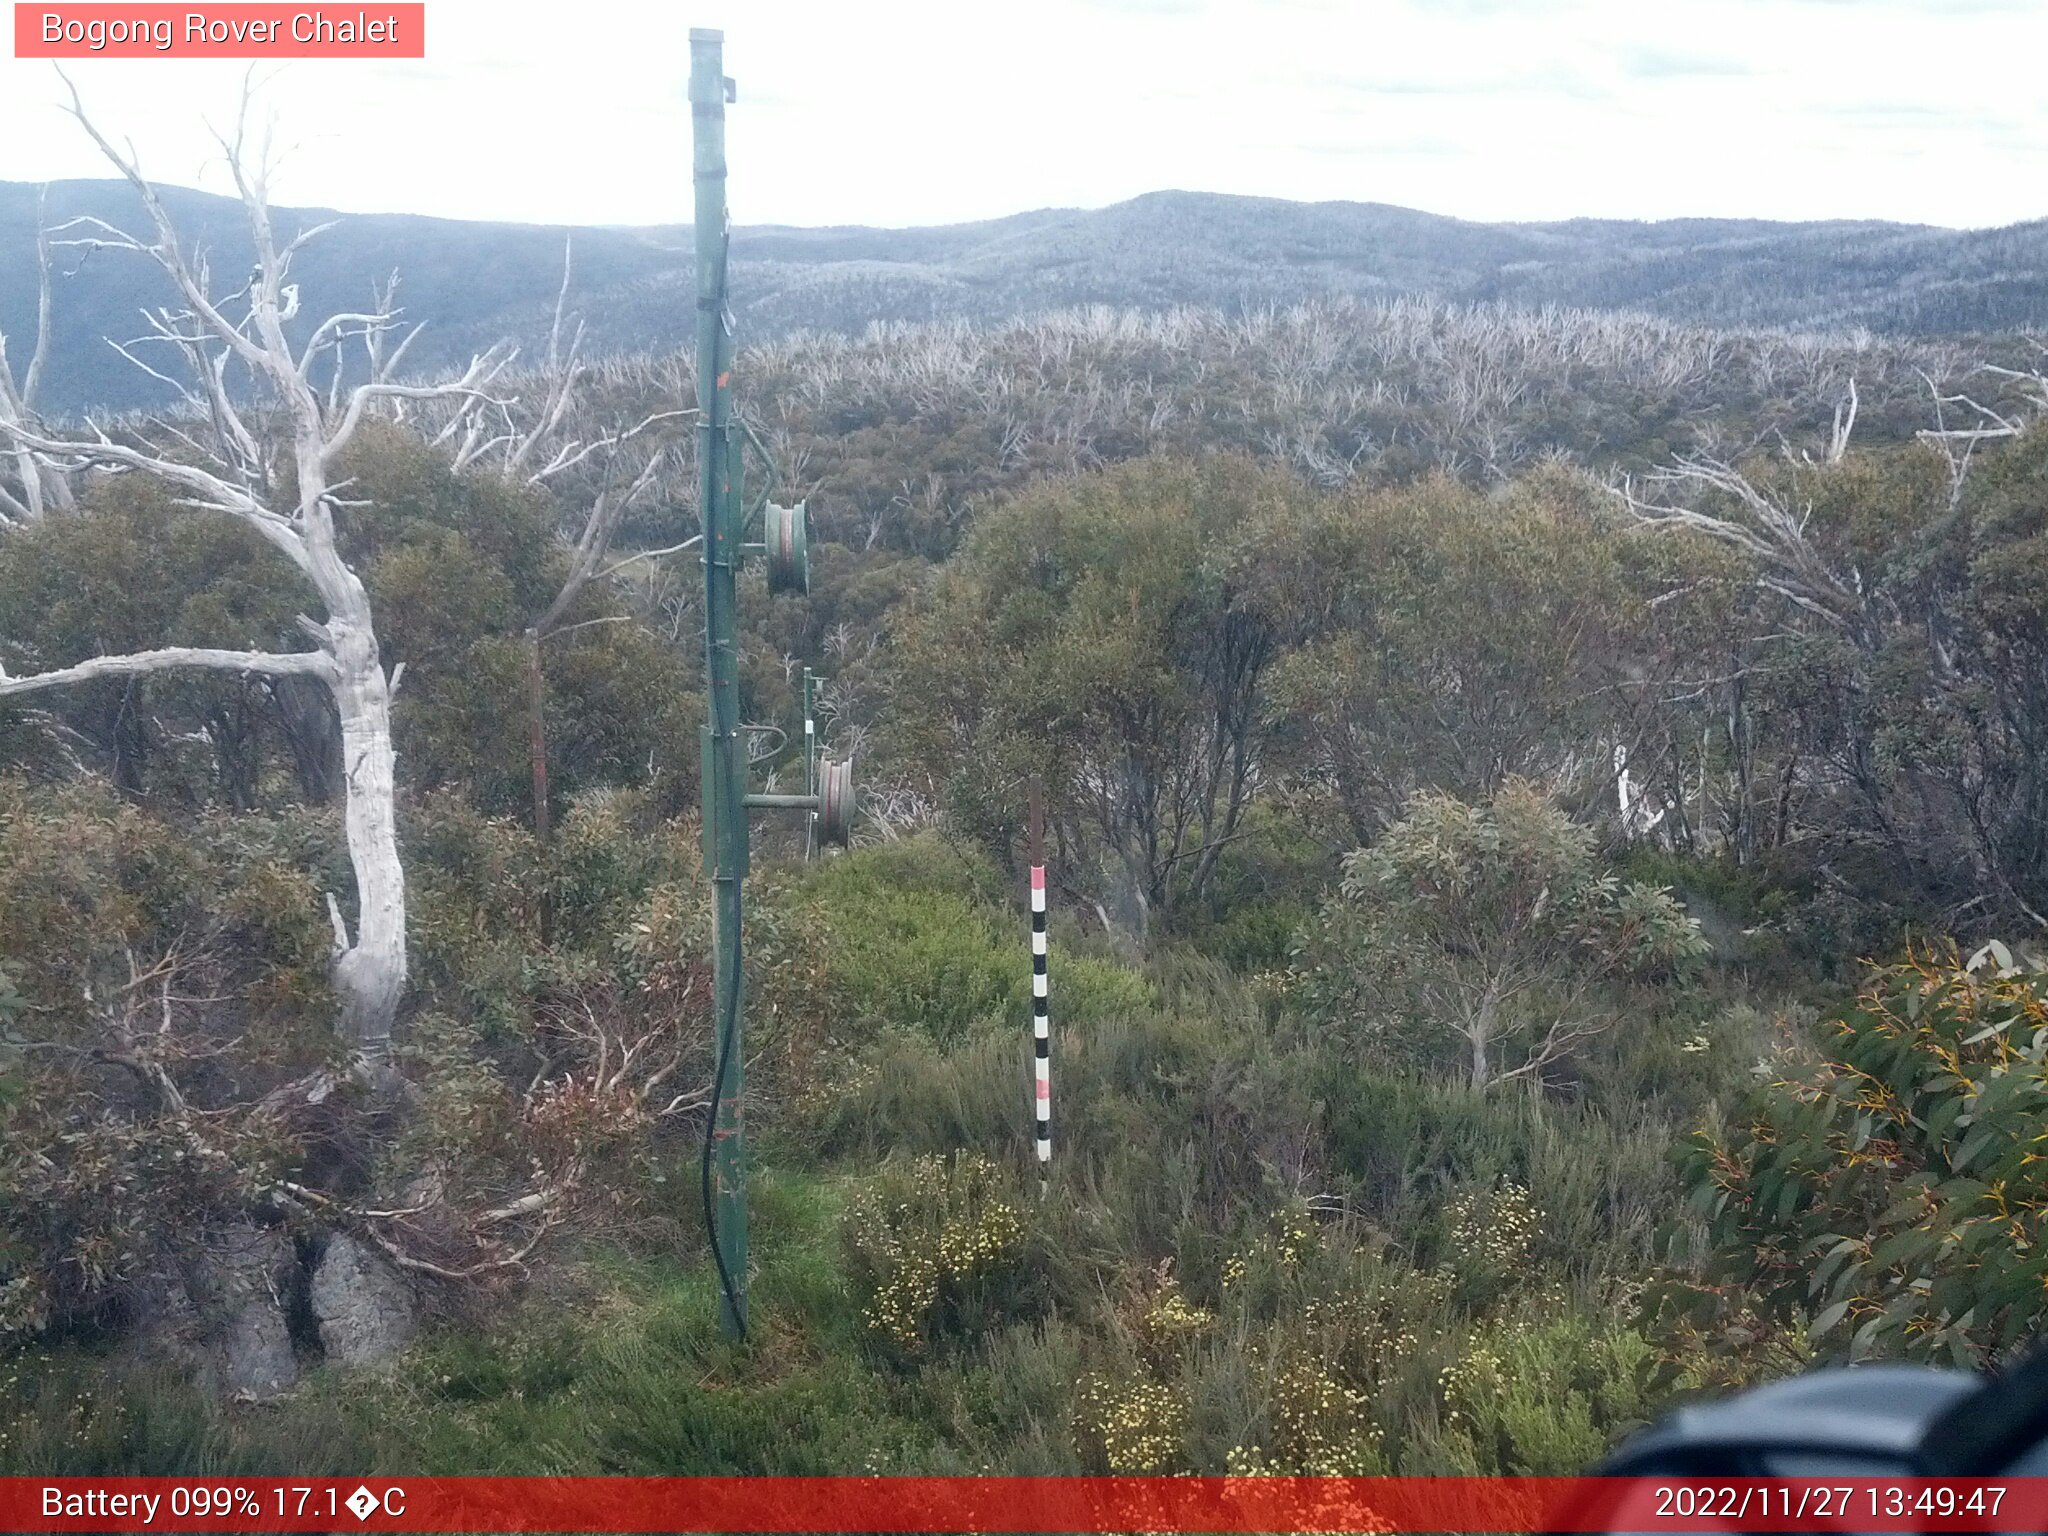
620 1368
1194 1123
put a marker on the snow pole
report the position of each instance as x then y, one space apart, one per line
1041 1019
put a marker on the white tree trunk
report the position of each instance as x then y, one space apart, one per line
370 973
42 486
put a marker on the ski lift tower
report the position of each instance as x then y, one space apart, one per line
829 796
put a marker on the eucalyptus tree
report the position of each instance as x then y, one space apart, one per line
1884 672
1463 639
1490 926
1115 633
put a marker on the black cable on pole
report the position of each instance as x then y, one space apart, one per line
725 1034
728 1024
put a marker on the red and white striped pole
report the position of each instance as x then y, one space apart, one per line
1041 1020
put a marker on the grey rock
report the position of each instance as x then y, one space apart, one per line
365 1309
165 1324
237 1287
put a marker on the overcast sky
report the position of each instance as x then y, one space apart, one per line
905 112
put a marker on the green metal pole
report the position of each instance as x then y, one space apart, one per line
725 786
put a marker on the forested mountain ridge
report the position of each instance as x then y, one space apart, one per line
479 282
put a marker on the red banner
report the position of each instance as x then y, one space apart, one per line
1015 1504
234 31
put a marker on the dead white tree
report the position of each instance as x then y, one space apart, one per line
38 487
253 407
1638 817
1958 444
1845 425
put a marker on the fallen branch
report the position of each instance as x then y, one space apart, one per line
405 1260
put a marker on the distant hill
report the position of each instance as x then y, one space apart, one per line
475 282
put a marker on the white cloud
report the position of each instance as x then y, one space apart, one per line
916 111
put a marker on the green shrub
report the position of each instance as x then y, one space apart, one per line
931 962
1889 1200
899 1094
1546 1395
906 942
937 1248
1482 935
164 979
1403 1144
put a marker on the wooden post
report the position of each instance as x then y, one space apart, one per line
537 734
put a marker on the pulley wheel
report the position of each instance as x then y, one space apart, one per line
786 532
836 804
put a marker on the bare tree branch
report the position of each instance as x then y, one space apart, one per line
1763 527
595 542
651 554
31 382
140 663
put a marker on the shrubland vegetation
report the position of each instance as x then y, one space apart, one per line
1505 961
